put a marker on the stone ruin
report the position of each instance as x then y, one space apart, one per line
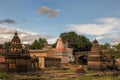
97 60
17 57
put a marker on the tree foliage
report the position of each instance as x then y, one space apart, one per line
105 46
6 45
117 47
75 41
38 44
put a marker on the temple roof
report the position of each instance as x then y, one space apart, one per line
95 42
60 45
16 38
95 47
15 44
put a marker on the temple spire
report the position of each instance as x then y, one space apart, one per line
16 33
95 47
60 45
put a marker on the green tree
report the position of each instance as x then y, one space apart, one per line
106 46
75 41
117 47
38 44
6 45
83 43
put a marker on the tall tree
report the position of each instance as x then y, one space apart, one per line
106 46
38 44
75 41
6 45
117 47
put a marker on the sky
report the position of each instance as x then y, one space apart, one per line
32 19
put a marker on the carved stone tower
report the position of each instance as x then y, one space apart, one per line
16 45
95 48
94 57
17 57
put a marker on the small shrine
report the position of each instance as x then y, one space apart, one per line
62 51
17 57
97 60
94 57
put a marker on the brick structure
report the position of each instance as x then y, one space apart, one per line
18 58
46 58
97 60
81 58
117 62
94 61
50 61
62 51
2 63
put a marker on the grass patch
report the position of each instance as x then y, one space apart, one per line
117 55
66 71
95 78
6 76
90 71
31 79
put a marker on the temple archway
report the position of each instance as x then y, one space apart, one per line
81 58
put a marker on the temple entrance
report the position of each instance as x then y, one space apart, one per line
82 60
35 64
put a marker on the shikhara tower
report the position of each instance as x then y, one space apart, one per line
62 51
17 57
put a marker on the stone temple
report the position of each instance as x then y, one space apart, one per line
17 57
63 52
94 57
98 60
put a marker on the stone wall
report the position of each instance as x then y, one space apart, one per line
2 63
94 65
56 62
117 63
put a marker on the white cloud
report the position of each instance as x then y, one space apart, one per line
90 29
99 37
44 10
50 12
7 33
102 28
52 40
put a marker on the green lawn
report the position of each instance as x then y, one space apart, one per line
6 76
92 78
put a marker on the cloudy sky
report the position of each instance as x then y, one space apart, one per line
48 18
